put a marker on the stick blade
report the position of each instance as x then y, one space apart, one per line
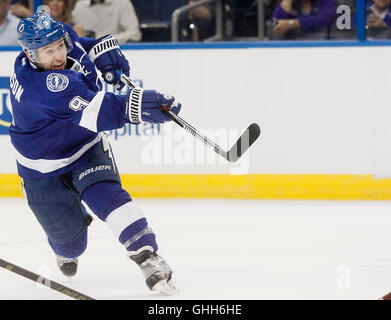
245 141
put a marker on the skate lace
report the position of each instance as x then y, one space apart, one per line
62 260
155 264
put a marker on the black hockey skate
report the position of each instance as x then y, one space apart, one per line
68 266
157 273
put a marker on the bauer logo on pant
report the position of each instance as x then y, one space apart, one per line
94 169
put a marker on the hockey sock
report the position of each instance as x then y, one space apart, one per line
112 204
130 226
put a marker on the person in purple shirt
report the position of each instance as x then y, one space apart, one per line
303 19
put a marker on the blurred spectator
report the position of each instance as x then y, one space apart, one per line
71 4
378 19
155 20
201 21
22 8
59 10
8 24
102 17
303 19
245 14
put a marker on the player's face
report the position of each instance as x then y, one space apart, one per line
53 56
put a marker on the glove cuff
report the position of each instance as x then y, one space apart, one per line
133 105
102 47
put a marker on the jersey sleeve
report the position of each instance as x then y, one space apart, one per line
67 96
88 43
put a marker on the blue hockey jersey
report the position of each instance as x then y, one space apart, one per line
59 115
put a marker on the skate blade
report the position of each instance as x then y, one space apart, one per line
164 287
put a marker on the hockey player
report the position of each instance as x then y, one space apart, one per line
60 114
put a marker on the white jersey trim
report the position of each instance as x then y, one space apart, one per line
89 118
46 165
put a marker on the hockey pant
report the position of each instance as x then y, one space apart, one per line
56 203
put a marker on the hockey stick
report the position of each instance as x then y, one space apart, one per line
42 280
238 149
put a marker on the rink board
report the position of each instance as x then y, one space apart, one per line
312 187
323 109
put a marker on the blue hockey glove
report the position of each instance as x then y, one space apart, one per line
109 60
146 105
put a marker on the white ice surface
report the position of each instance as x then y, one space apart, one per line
219 249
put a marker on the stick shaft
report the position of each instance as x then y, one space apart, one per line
182 123
204 139
44 281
